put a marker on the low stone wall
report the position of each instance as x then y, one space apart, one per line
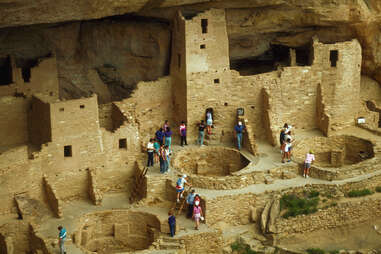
238 181
341 215
196 243
53 200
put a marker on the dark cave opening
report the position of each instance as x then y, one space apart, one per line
277 55
5 71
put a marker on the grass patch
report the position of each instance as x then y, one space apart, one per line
378 189
359 193
296 206
242 248
334 252
315 251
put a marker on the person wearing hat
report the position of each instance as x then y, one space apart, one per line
180 186
190 201
310 158
239 128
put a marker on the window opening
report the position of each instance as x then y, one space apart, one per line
216 81
179 61
82 106
202 46
67 151
62 109
204 25
5 71
122 143
333 57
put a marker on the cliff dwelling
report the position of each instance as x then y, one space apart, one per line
265 115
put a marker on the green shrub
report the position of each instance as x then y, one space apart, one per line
359 193
296 206
334 252
242 248
315 251
313 194
378 189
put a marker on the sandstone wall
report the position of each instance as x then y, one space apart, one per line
39 122
344 214
13 121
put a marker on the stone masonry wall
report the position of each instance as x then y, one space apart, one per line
344 214
13 121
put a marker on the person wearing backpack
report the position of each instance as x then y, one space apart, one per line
180 186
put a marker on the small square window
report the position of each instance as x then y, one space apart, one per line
62 109
216 81
68 151
82 106
122 143
202 46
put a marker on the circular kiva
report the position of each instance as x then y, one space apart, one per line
336 157
116 231
213 167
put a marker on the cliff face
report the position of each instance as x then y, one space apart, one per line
122 50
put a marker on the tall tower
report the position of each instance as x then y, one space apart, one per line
200 65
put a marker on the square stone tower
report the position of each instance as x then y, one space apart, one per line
199 65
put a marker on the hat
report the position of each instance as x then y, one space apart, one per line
239 123
184 176
311 152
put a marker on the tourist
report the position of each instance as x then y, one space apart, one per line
61 239
197 213
156 146
180 186
201 134
172 222
310 158
239 128
168 153
183 133
282 137
288 136
209 122
165 125
190 200
168 137
163 160
287 128
160 135
286 152
150 151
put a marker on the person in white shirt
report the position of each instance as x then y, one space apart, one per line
310 158
286 149
180 186
150 150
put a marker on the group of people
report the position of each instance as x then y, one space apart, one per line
286 141
193 202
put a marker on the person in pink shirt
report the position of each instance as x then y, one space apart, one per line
197 213
310 158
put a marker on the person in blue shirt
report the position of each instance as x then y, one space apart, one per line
61 239
239 128
190 200
160 136
172 223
